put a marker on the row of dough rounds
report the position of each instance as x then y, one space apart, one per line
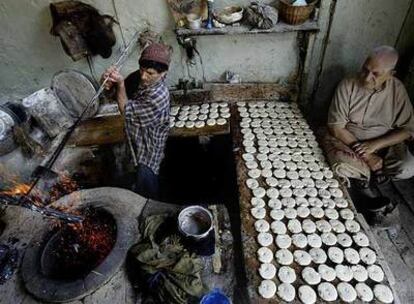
327 292
311 224
198 116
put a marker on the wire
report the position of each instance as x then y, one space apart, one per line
91 67
119 22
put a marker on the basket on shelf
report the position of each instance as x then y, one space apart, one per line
295 14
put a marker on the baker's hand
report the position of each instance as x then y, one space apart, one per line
365 148
374 162
114 77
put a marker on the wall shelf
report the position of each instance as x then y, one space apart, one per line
280 27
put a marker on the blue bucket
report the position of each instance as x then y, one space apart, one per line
215 297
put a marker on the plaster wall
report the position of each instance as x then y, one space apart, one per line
357 26
29 55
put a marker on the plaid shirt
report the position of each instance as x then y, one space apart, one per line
147 117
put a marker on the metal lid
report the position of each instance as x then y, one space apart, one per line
75 90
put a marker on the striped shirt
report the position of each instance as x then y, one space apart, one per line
147 116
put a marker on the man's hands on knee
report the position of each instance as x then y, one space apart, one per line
365 148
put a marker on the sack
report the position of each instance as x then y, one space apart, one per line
261 16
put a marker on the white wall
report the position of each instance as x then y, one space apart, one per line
30 56
357 27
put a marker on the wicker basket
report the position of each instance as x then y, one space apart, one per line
295 14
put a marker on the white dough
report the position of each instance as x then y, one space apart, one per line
364 292
254 173
300 240
257 202
277 214
346 292
336 255
302 257
352 226
265 255
337 226
264 239
252 183
318 255
327 292
323 226
327 273
278 227
258 213
314 240
330 213
274 203
344 240
259 192
303 212
294 226
308 226
283 241
352 256
329 239
360 273
311 276
361 239
344 273
290 213
261 226
286 292
271 181
317 212
367 255
267 289
267 271
272 193
306 294
375 273
284 257
347 214
383 293
286 274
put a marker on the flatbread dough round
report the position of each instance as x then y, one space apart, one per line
258 213
306 294
367 255
346 292
311 276
383 293
314 240
323 226
361 239
287 274
360 273
283 241
375 273
284 257
257 202
352 256
254 173
302 257
272 193
288 202
308 226
317 212
267 271
364 292
264 255
344 240
267 289
278 227
341 202
259 192
286 292
252 183
261 226
336 255
352 226
299 240
277 214
330 213
274 203
264 239
303 212
337 226
344 273
294 226
271 181
327 273
347 214
291 213
318 255
285 192
327 292
329 238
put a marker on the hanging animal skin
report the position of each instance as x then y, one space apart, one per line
83 31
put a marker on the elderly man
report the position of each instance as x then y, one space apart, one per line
144 101
372 114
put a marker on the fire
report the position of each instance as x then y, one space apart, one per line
19 189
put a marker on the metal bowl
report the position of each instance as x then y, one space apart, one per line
195 222
229 14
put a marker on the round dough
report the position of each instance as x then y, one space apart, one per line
361 239
264 255
329 238
341 202
279 173
283 241
288 202
344 273
327 292
337 226
306 294
336 255
267 271
258 213
252 183
274 203
327 273
290 213
318 255
347 214
314 240
344 240
294 226
261 226
278 227
257 202
302 257
264 239
303 212
352 226
360 273
330 213
336 192
308 226
311 192
311 276
367 255
254 173
346 292
352 256
300 240
364 292
277 214
285 192
259 192
383 293
272 193
317 212
267 289
375 273
271 181
286 292
315 202
286 274
323 226
299 192
284 257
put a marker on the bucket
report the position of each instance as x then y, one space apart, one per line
195 222
215 297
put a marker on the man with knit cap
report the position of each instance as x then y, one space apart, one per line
144 101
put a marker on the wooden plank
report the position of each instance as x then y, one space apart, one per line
280 27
